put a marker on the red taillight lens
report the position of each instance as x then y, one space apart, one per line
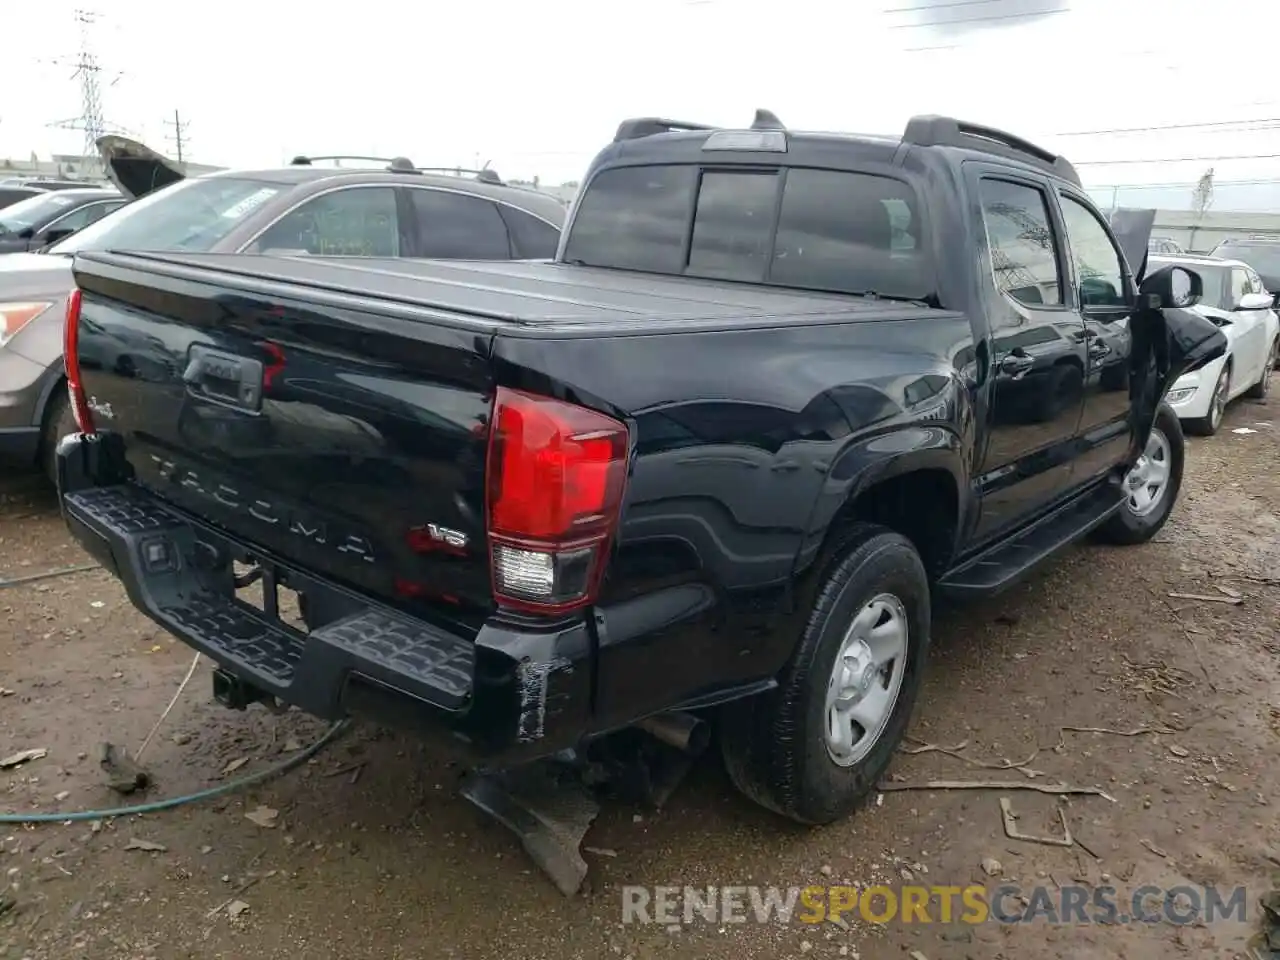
556 477
71 363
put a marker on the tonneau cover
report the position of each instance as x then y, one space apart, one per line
542 292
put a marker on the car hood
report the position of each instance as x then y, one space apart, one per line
34 275
135 168
1225 319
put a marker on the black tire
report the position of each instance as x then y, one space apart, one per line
774 745
1128 526
1208 425
58 422
1260 389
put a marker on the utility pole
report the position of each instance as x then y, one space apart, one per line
179 137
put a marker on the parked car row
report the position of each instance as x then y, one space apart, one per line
52 215
390 210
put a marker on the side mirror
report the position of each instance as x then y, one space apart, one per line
59 233
26 233
1254 301
1171 287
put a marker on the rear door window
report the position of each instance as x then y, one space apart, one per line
454 226
1023 256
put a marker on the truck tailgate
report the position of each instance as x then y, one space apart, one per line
349 442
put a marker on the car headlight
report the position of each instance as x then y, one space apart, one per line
1180 394
15 316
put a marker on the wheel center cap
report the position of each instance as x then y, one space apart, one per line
866 678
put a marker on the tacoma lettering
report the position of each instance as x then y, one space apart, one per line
296 522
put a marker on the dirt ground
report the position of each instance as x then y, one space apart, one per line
391 863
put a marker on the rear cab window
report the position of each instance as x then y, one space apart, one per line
801 227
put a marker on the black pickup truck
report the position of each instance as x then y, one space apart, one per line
776 394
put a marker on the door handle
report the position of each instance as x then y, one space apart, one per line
1016 364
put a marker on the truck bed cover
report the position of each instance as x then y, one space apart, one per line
552 297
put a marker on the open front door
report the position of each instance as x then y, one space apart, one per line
1167 341
135 168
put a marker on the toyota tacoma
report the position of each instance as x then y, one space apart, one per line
776 394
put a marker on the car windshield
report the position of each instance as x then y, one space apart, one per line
1263 257
189 215
33 212
1217 288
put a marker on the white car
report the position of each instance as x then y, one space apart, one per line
1235 299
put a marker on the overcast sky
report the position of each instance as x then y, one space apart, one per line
538 87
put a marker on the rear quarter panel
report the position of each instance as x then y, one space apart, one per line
746 443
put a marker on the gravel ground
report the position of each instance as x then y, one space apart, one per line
389 862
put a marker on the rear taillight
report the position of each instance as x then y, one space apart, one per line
71 363
556 476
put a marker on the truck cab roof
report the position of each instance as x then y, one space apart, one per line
653 140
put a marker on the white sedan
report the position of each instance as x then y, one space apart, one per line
1235 299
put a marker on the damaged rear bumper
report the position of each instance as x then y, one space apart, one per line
507 694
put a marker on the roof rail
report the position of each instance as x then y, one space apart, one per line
934 131
484 174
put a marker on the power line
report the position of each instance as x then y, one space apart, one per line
1171 126
955 23
1244 156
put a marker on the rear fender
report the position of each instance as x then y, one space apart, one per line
873 460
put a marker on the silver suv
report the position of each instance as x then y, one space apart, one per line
390 210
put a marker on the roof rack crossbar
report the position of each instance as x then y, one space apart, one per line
930 131
639 127
484 174
304 160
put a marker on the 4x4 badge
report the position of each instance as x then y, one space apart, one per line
101 409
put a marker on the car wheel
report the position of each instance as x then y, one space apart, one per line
1208 425
815 747
1260 389
58 422
1151 485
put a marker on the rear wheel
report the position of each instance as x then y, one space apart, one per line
815 747
58 422
1151 485
1260 389
1208 425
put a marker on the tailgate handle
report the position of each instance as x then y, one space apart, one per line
224 378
